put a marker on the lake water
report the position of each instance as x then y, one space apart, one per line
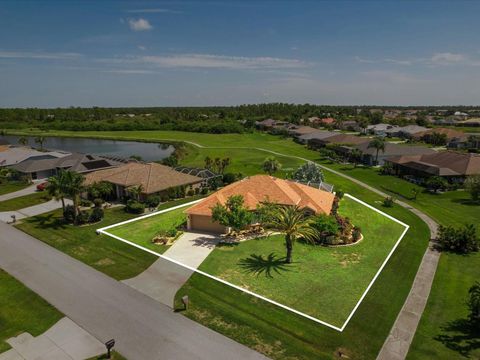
123 149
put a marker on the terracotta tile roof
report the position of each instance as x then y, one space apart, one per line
152 177
442 163
262 188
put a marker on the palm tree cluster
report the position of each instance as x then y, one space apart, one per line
67 184
271 165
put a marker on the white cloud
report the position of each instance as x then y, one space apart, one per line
141 47
139 24
219 62
447 58
38 55
154 10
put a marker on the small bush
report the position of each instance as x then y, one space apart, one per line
339 194
356 234
388 201
204 191
164 198
326 227
335 206
190 192
96 215
85 203
229 178
98 202
83 217
134 207
172 233
152 201
460 240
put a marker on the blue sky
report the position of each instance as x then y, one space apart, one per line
101 53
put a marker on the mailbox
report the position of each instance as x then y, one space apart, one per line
109 345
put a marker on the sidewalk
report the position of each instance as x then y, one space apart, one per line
63 341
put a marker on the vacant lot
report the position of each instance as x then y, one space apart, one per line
324 282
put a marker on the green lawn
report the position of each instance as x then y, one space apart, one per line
112 257
330 281
24 201
142 231
113 356
21 310
11 187
365 338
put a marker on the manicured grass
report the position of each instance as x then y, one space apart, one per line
24 201
142 231
110 256
11 187
277 333
330 281
113 356
444 332
21 310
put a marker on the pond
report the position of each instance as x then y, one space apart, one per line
123 149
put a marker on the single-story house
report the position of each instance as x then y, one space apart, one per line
369 154
268 124
450 133
319 134
328 121
256 190
350 125
380 129
453 166
152 177
405 131
340 139
466 142
300 130
44 167
13 155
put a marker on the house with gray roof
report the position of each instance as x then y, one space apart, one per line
319 134
380 129
391 150
405 131
12 155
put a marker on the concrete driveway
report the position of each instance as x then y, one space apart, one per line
163 278
6 216
25 191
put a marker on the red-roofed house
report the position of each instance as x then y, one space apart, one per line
256 190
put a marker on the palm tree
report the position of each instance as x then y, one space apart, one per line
23 141
356 156
40 140
56 187
271 165
293 222
474 302
377 143
73 183
135 191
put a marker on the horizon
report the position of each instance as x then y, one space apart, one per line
172 54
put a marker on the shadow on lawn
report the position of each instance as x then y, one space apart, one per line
461 336
269 265
49 221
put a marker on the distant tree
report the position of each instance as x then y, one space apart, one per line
378 144
136 157
473 303
271 165
415 192
40 140
435 138
223 165
208 163
57 187
363 123
472 185
435 183
233 214
101 189
23 140
73 187
309 173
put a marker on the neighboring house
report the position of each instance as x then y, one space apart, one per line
340 139
380 129
405 131
268 124
206 174
458 115
465 142
300 130
42 168
470 122
319 134
328 121
11 155
446 122
391 150
256 190
152 177
450 133
350 125
451 165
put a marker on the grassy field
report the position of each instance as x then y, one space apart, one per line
364 336
11 187
142 232
21 310
24 201
330 280
110 256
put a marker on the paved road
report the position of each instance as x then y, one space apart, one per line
106 308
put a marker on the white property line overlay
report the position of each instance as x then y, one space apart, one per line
339 329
